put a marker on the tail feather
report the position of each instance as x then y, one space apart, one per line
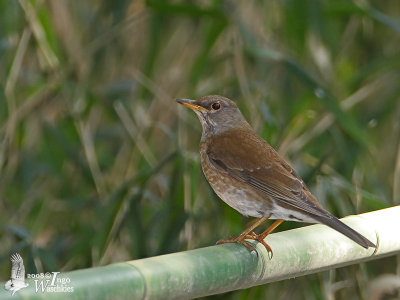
338 225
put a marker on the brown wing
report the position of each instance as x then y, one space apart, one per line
249 159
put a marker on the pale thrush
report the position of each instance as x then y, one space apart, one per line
251 177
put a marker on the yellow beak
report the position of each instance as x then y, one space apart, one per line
190 103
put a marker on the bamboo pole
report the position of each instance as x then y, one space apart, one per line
228 267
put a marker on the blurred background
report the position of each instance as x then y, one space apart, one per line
98 164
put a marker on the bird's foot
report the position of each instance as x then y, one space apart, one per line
238 239
260 238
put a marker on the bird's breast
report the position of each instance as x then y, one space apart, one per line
234 193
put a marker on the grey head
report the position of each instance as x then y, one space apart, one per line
217 114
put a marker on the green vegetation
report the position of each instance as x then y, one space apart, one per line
98 164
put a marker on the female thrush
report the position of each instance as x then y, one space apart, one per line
250 176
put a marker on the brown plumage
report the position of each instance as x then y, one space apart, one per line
250 176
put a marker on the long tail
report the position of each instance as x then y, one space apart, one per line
336 224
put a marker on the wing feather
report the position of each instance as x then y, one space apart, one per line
267 173
17 268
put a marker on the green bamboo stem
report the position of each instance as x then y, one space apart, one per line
228 267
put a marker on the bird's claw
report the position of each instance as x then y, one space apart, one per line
259 238
237 240
251 236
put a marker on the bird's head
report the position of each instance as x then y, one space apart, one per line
217 114
8 285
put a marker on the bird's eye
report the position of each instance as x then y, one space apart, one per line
216 106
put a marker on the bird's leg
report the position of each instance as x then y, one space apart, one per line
260 237
240 238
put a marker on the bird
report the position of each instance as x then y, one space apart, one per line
251 177
17 280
